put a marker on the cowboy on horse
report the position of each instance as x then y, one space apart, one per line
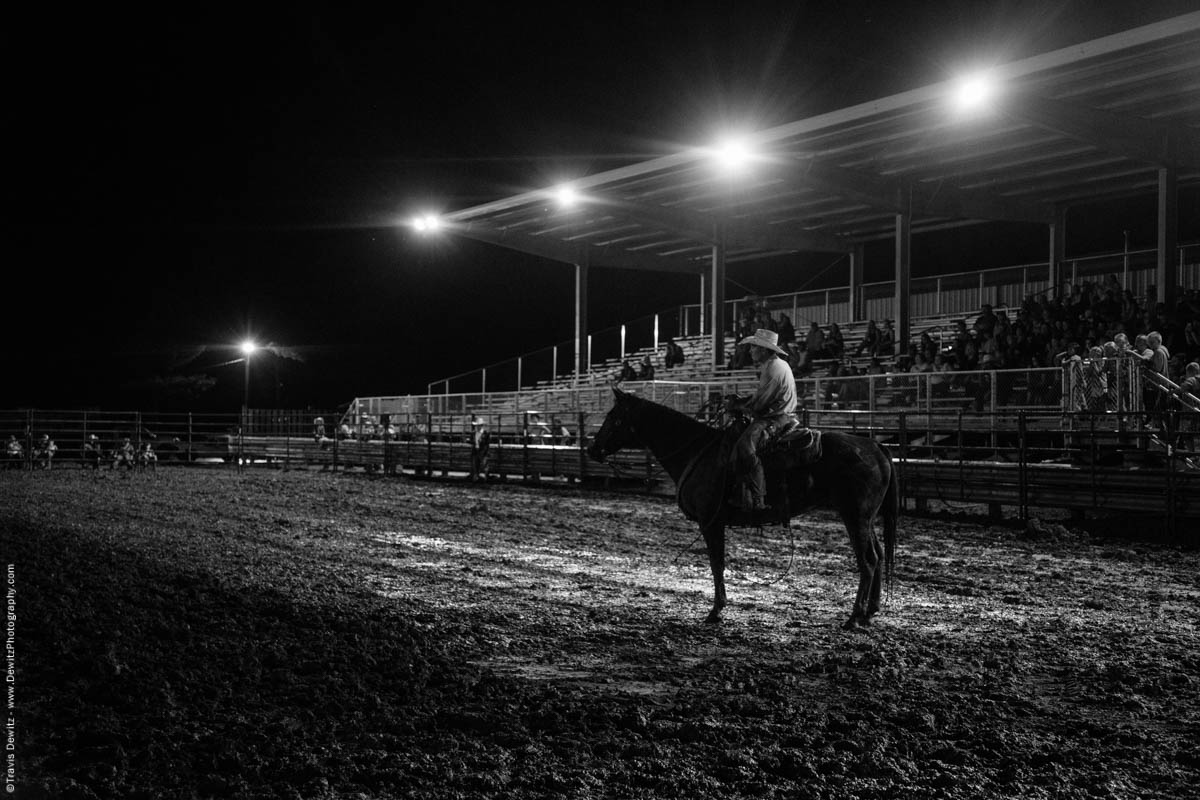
771 409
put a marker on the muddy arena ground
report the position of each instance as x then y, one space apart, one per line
198 633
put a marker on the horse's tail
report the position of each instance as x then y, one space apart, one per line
891 513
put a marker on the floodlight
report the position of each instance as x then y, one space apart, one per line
566 196
732 155
427 223
248 347
974 93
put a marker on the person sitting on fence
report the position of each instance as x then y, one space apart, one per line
14 453
147 458
44 451
647 373
536 431
562 434
93 453
124 455
318 429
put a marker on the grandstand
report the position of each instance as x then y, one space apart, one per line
1077 125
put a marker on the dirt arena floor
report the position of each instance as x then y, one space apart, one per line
194 634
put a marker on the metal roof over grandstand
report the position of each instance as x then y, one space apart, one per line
1098 120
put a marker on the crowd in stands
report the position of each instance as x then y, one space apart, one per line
1091 322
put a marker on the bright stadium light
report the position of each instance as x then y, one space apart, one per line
427 223
566 196
732 155
974 93
248 347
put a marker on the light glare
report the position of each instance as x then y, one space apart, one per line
566 196
427 223
248 347
974 93
732 155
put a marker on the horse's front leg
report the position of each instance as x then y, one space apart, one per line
714 542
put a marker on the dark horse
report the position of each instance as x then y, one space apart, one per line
853 475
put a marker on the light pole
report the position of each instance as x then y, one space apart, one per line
248 348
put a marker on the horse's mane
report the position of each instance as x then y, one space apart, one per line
665 417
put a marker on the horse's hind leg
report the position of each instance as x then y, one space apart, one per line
862 539
714 543
873 602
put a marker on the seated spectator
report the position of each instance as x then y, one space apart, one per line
44 451
740 358
92 451
673 355
986 321
798 359
647 372
14 453
928 347
887 339
628 373
816 342
835 343
939 380
318 429
787 331
870 341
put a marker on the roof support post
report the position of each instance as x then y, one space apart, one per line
903 280
1165 275
1058 252
581 324
856 281
717 308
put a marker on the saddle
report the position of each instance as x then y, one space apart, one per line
793 444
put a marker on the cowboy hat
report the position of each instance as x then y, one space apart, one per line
764 338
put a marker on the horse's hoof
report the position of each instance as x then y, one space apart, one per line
856 623
713 619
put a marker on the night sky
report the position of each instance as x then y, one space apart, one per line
184 179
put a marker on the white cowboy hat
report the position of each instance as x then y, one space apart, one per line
765 338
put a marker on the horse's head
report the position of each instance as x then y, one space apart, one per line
617 430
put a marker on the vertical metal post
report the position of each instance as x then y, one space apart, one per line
1022 468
